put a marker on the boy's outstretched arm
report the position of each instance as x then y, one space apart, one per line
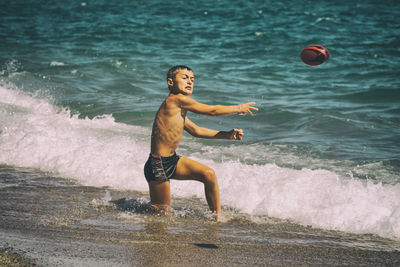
188 103
197 131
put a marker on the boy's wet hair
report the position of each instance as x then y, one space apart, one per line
175 69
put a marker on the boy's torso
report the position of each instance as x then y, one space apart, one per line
168 127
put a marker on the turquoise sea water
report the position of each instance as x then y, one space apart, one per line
80 82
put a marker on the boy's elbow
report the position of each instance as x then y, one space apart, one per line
193 132
214 112
199 133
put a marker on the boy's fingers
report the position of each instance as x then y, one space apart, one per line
238 133
252 108
247 108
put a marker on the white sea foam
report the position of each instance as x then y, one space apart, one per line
56 63
97 151
101 152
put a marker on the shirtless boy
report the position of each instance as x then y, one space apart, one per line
170 121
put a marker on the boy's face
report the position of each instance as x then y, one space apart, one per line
182 83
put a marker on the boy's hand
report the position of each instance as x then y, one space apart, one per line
247 108
235 134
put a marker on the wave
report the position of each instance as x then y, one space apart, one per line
102 152
96 151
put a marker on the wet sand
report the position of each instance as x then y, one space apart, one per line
49 221
10 258
182 250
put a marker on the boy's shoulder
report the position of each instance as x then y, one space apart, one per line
179 98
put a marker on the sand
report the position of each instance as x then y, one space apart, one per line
50 221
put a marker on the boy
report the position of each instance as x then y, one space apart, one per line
170 121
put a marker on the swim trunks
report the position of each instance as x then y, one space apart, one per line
160 168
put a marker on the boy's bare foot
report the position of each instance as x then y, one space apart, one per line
161 209
219 217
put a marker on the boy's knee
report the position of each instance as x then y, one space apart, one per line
209 175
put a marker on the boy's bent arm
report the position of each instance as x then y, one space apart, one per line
197 131
188 103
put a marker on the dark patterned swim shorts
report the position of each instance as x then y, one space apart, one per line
160 168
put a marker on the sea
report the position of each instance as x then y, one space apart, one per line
81 81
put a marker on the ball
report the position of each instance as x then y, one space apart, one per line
314 55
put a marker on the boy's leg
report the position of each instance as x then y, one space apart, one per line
188 169
160 195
